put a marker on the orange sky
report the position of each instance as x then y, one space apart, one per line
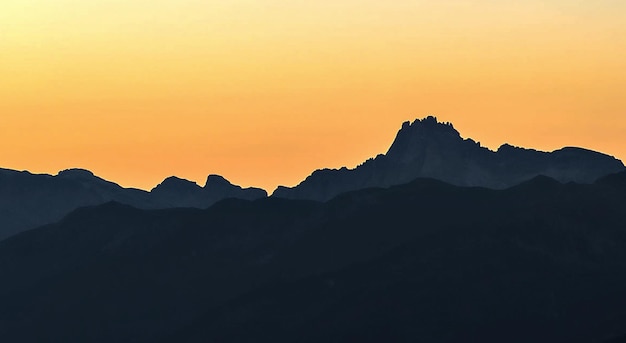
264 92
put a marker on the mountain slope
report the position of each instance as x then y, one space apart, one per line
30 200
427 148
424 261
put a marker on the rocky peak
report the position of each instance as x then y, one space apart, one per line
432 149
214 180
414 138
176 184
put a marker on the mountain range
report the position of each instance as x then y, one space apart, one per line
439 240
428 148
424 148
30 200
426 261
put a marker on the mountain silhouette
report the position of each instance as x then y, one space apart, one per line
425 261
424 148
176 192
30 200
428 148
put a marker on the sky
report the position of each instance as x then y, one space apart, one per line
264 92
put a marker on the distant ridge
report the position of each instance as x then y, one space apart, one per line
429 148
425 148
177 192
29 200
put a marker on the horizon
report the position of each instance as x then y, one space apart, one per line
264 93
272 190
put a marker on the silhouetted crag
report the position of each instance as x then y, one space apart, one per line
176 192
30 200
421 262
427 148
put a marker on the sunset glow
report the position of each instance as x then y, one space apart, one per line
264 92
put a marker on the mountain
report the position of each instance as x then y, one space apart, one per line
425 261
428 148
424 148
30 200
176 192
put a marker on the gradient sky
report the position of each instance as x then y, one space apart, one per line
264 92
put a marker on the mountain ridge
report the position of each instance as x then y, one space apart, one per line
429 148
425 260
29 200
424 148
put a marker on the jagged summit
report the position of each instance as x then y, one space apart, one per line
415 139
427 127
428 122
432 149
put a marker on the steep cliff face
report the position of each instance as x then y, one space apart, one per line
428 148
